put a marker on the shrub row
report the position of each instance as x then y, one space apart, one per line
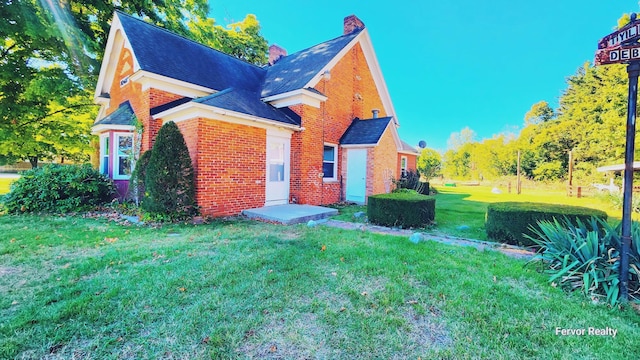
403 209
512 222
57 188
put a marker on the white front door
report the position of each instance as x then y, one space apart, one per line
278 170
356 175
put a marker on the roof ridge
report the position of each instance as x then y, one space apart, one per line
215 94
355 33
188 39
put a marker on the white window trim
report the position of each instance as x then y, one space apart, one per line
104 143
403 171
335 163
115 157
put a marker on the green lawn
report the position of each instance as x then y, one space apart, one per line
83 288
460 211
5 184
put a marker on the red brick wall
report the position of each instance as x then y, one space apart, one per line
351 93
230 165
383 162
411 162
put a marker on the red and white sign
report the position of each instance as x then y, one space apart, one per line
625 35
619 55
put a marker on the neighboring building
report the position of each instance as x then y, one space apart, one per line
314 127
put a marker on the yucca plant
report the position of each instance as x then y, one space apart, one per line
585 256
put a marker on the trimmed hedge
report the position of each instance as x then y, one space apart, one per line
401 209
508 222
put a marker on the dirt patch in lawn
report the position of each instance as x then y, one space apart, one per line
8 270
426 331
301 336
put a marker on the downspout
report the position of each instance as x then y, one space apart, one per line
325 76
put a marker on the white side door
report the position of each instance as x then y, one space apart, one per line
278 169
356 175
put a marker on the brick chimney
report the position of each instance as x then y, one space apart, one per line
352 23
275 53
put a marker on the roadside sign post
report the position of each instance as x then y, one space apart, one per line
633 69
621 47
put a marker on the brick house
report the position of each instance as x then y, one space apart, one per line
314 127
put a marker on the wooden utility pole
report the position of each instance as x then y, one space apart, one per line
518 183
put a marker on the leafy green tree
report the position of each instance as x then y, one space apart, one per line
241 39
62 134
169 178
50 57
457 164
429 163
540 112
493 158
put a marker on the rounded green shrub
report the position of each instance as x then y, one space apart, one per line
512 222
169 179
403 209
59 188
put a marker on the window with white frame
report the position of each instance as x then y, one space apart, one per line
104 154
403 166
329 162
123 160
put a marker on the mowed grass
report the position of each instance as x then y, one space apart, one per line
460 211
84 288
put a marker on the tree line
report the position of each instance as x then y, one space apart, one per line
590 121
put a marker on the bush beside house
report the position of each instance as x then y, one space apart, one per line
169 176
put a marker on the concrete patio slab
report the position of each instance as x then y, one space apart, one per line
290 213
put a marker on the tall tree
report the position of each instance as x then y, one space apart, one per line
241 39
49 62
429 163
540 112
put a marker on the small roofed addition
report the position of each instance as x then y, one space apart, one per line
352 23
365 132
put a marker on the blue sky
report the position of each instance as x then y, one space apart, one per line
453 63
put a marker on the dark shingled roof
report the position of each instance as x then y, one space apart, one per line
365 132
124 115
241 85
169 105
162 52
248 102
294 71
